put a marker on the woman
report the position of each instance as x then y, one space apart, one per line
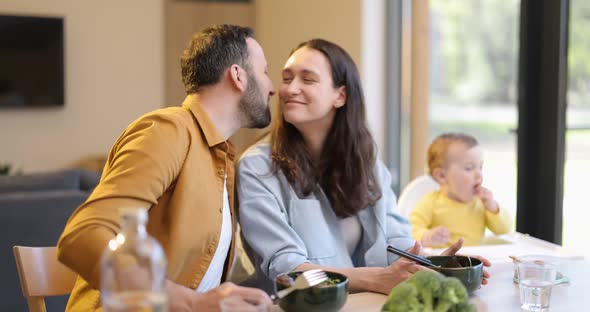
316 196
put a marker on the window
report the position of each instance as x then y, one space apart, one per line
473 83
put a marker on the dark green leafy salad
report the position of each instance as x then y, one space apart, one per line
328 282
428 291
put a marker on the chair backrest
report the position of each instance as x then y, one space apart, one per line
413 192
41 275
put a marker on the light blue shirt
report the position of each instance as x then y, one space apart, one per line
283 231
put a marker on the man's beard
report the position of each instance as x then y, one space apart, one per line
254 109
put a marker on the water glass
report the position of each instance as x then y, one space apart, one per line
535 283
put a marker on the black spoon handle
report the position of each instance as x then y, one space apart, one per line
409 256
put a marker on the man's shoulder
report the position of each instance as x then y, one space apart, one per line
175 119
174 113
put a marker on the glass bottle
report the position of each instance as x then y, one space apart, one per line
133 268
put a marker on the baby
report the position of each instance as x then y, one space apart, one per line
461 207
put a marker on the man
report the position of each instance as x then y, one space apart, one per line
177 163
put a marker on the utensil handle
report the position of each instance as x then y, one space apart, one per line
409 256
274 298
283 292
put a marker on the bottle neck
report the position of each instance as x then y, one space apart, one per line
132 228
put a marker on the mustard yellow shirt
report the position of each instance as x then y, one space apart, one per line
467 220
173 162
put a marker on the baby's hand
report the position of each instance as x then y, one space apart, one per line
437 236
487 198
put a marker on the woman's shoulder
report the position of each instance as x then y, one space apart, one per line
257 155
260 149
382 172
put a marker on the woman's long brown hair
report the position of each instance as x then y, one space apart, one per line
346 170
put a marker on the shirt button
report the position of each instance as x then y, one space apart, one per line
210 249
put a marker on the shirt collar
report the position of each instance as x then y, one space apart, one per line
212 135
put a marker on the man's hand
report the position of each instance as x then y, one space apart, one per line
248 297
183 299
487 198
437 236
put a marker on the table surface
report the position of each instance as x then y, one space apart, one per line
501 294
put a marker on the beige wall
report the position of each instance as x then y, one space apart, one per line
356 25
123 62
114 73
182 20
282 24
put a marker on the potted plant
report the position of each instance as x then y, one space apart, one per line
5 168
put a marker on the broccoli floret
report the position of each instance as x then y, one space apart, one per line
464 307
428 284
403 298
453 293
429 291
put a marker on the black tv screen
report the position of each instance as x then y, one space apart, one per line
31 61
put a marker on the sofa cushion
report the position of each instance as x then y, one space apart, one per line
59 180
88 180
31 219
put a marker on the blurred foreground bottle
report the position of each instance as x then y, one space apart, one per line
133 268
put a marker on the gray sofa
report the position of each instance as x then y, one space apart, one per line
33 212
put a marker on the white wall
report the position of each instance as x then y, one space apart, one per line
373 73
114 73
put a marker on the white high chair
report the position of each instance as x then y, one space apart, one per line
413 192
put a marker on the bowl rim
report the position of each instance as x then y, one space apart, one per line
480 264
533 257
344 281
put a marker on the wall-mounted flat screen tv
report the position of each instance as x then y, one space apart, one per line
31 61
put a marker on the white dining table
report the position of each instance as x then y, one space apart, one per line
502 294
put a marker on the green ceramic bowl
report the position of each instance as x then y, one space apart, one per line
323 297
468 270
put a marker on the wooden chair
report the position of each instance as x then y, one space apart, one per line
41 275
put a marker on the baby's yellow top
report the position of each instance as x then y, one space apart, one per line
467 220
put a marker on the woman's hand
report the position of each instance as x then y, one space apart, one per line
397 272
453 249
438 236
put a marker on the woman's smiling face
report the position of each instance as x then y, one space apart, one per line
307 92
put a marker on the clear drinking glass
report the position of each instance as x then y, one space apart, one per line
133 268
535 282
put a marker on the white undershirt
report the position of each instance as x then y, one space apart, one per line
213 275
351 232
